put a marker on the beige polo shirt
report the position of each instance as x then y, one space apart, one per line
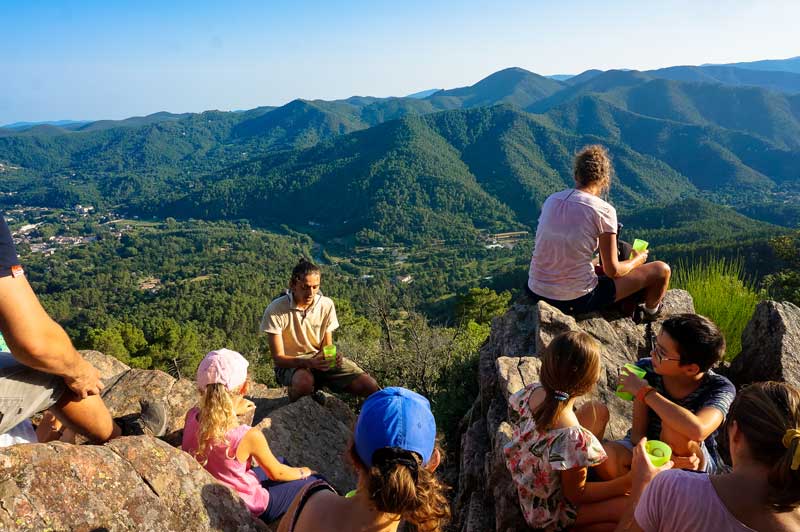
302 330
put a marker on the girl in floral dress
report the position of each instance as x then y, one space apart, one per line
553 445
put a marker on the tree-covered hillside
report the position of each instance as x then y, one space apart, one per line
370 168
444 175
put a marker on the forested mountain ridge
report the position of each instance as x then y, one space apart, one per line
443 175
770 115
792 64
736 145
729 75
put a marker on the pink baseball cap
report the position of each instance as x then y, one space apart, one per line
222 366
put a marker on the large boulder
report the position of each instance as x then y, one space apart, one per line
307 434
109 367
509 360
136 483
770 346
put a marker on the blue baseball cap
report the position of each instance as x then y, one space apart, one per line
395 417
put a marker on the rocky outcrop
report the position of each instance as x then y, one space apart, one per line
306 434
126 386
770 346
486 498
142 483
135 483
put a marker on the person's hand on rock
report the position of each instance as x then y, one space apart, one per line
84 380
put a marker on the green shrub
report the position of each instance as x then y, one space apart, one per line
722 292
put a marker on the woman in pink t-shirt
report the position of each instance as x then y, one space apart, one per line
573 224
761 493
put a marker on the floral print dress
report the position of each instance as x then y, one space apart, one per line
535 460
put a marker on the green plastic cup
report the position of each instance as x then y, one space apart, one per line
639 246
636 370
658 452
329 353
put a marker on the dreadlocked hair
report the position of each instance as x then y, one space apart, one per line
398 483
302 268
217 417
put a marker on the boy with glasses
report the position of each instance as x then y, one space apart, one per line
681 400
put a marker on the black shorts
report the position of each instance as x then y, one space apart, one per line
9 261
603 295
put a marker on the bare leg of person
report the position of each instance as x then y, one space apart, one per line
594 416
618 462
302 384
49 428
600 514
682 447
363 386
88 417
653 277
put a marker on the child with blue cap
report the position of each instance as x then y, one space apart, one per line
395 455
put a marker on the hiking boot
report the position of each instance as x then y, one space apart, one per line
151 420
319 397
642 316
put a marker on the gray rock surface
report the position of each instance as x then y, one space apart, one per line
109 367
136 483
307 434
770 346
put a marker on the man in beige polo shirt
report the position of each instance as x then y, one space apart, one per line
298 325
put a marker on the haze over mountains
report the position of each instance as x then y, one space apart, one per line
437 164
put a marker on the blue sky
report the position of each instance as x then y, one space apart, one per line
114 59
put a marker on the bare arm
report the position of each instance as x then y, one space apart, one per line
39 342
278 356
283 361
327 339
696 427
642 473
255 445
640 419
611 264
578 491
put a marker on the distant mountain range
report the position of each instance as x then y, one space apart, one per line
785 65
58 123
437 164
423 94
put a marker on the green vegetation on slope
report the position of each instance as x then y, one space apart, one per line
722 292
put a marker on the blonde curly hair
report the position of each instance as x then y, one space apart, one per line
217 417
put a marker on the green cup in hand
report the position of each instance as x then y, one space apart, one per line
636 370
658 452
329 353
639 246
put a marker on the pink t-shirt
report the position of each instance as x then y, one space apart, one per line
566 240
684 501
223 465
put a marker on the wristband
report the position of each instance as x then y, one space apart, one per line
643 391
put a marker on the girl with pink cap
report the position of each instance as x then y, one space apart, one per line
213 435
